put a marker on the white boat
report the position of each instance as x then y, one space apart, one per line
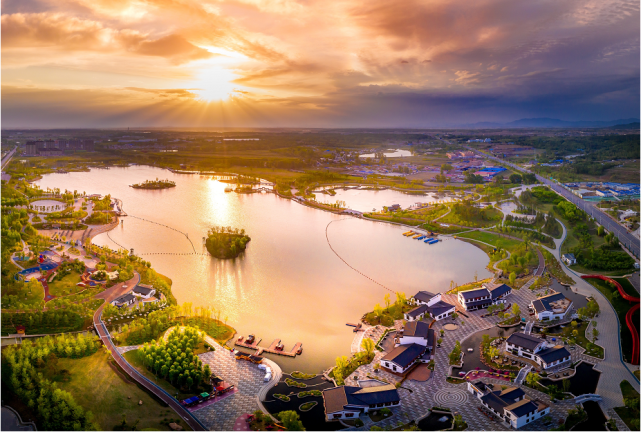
229 189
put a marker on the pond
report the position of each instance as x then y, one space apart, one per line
289 284
50 205
583 382
436 421
314 419
596 419
472 360
390 153
368 200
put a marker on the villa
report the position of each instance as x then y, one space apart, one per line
415 343
346 402
569 258
144 291
428 304
124 300
510 403
549 307
537 349
483 297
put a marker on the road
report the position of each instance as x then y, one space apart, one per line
105 337
8 156
625 237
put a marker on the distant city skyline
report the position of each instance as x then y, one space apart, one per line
288 63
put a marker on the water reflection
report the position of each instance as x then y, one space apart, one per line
288 284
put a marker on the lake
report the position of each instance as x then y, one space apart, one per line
288 284
366 200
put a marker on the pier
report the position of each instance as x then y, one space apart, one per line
241 342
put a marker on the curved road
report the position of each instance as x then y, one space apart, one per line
625 237
105 337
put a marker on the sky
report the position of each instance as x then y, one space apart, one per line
316 63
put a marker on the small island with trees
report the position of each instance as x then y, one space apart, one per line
154 184
226 242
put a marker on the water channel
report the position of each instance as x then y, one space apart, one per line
288 284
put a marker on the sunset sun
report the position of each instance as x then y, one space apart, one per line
214 84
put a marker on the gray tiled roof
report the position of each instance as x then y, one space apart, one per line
405 355
524 340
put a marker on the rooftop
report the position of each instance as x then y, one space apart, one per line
424 296
416 329
405 355
524 340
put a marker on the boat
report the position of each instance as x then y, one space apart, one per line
427 240
250 339
420 238
432 241
280 347
416 236
300 350
229 189
407 233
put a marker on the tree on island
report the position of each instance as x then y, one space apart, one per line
225 242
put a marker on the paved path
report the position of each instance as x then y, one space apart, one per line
105 337
612 368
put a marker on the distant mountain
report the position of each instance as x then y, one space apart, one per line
635 125
556 123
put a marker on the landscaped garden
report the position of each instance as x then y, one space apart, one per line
467 214
630 412
621 306
345 366
575 334
392 311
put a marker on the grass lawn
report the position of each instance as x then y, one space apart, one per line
630 416
493 239
98 388
66 285
621 307
553 266
581 339
493 217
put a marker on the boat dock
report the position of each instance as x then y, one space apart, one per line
241 341
357 327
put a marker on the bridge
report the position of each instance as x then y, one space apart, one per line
587 397
522 374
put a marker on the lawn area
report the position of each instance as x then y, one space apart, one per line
581 339
493 239
553 266
98 388
66 285
629 413
492 217
621 307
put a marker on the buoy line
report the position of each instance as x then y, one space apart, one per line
166 226
346 263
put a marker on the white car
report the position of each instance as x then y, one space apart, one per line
470 350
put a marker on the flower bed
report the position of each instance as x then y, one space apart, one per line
282 397
307 406
305 394
291 383
302 376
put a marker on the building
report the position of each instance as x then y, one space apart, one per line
569 258
511 404
415 343
537 349
428 304
553 306
346 402
144 291
125 300
483 297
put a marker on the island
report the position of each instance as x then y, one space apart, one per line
225 242
154 184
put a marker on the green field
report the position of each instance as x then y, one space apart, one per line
66 285
621 306
98 388
493 239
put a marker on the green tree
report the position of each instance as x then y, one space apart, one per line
291 420
566 385
516 310
368 345
387 300
532 379
512 278
600 231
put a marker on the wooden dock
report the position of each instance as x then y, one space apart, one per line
272 348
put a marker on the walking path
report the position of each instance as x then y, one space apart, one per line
613 369
105 337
